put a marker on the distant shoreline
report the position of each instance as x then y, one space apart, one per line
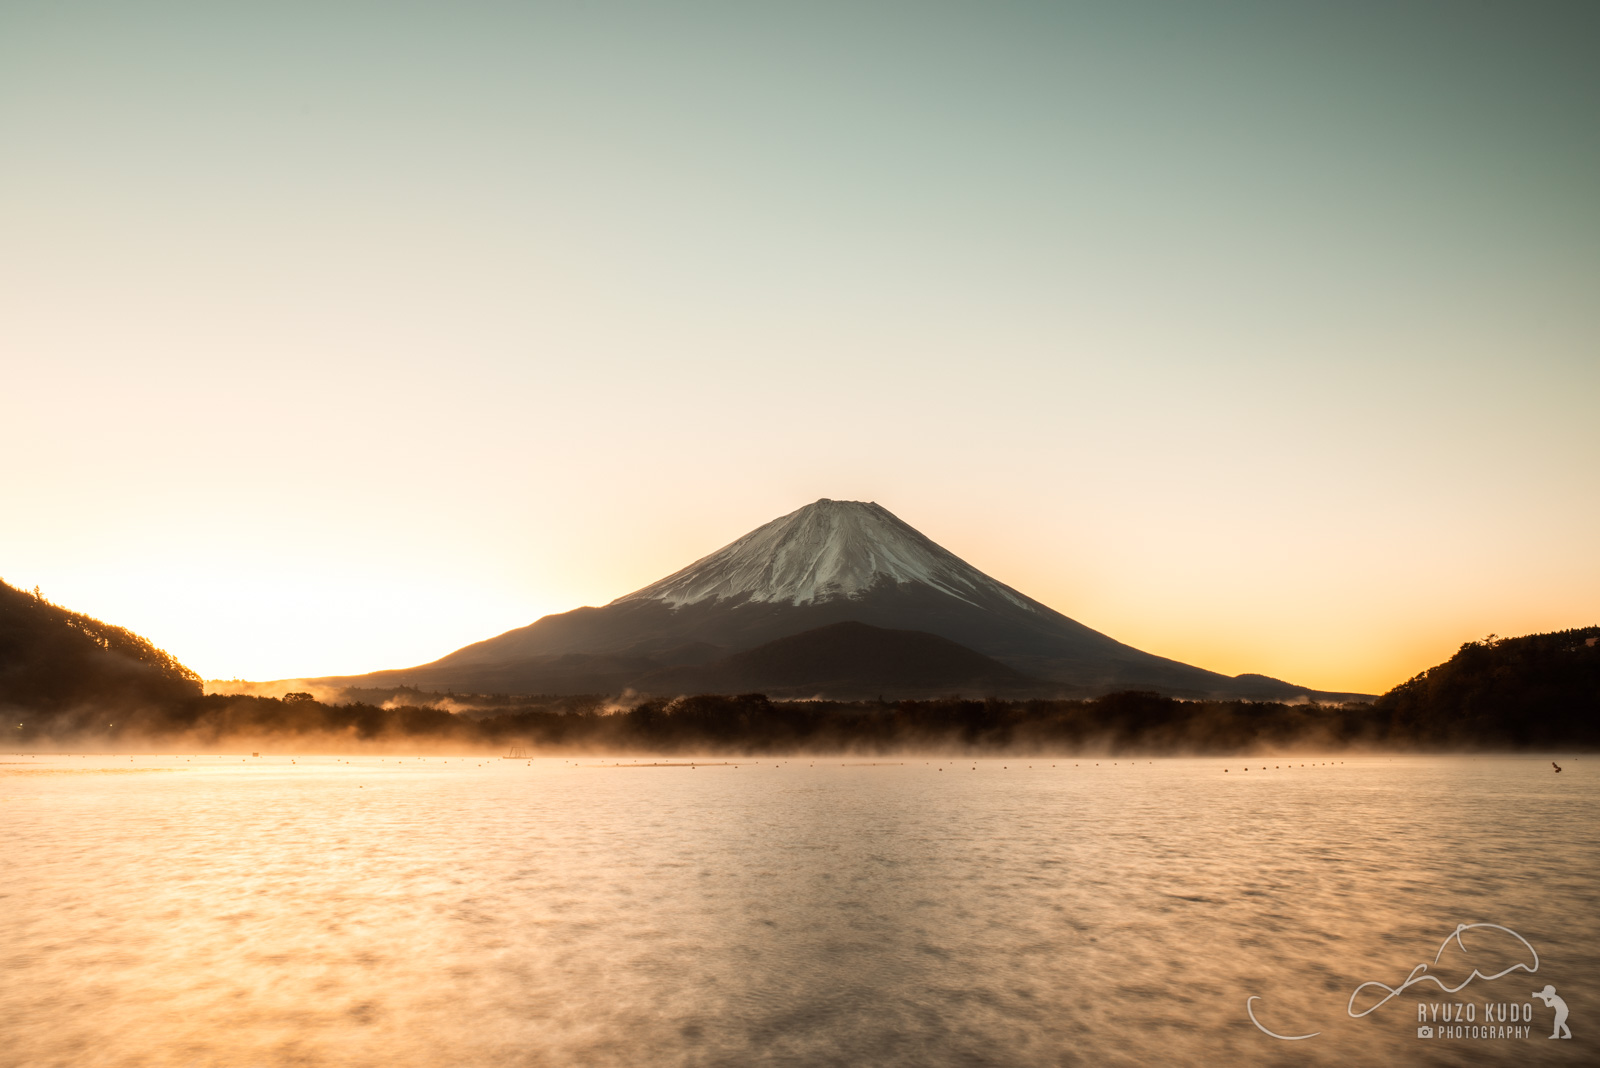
722 725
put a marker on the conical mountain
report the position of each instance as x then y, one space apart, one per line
827 563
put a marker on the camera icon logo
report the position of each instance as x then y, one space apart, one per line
1424 1032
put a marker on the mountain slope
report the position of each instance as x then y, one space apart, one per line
825 551
847 661
51 659
829 562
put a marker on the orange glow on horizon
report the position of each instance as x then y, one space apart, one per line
289 615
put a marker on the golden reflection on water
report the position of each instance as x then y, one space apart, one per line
1028 911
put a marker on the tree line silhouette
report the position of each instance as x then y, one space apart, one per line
753 723
68 678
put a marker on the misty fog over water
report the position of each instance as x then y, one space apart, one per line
233 910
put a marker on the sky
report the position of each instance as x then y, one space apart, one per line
1262 336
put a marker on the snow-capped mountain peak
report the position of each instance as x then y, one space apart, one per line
822 552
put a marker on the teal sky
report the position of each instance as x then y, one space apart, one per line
1262 336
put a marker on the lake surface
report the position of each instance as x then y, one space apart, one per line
477 911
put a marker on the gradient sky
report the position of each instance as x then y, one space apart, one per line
1261 336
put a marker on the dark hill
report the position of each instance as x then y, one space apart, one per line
1541 689
53 659
847 660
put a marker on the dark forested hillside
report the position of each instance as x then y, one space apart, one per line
52 659
1536 690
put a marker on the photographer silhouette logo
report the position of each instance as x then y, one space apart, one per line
1548 996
